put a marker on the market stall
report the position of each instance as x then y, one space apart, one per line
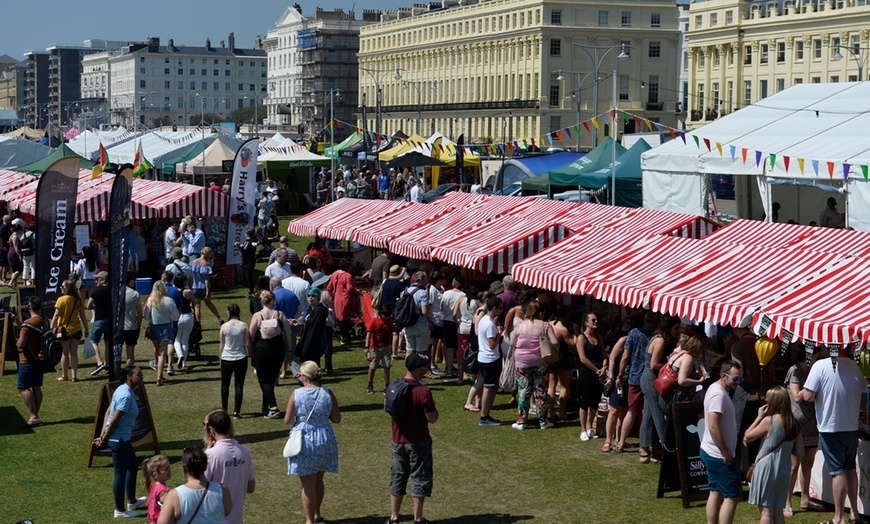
380 233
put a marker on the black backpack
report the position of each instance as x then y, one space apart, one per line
405 313
50 349
398 400
26 246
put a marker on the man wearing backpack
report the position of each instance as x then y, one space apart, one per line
412 444
30 369
28 249
417 334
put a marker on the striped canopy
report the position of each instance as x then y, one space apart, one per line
664 223
306 225
12 180
380 233
756 233
372 211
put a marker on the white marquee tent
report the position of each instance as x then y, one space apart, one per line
801 145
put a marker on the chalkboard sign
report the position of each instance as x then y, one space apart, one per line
144 435
8 351
24 294
682 468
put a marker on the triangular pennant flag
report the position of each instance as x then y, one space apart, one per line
648 124
719 147
816 167
697 141
525 144
595 123
577 129
658 126
830 170
846 168
733 151
533 142
625 116
568 131
586 126
864 171
613 114
801 164
549 138
707 143
772 160
606 117
636 120
785 161
757 158
559 135
683 136
673 135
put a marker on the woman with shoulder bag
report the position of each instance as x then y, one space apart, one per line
652 427
772 469
472 403
310 409
270 332
161 312
196 501
68 323
532 374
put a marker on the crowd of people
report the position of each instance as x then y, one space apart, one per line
553 356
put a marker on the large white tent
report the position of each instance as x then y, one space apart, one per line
158 146
801 146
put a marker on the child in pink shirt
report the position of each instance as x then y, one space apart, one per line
156 472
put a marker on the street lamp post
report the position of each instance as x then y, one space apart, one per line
579 83
332 93
184 103
613 146
593 53
418 87
202 141
859 56
378 75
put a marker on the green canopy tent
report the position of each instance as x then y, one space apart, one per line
568 176
629 177
168 167
63 151
337 148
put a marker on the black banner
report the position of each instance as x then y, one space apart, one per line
460 158
55 227
119 262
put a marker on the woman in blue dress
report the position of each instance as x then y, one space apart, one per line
310 409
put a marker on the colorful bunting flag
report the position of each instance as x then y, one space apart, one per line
772 160
785 160
719 147
864 171
757 158
816 167
801 164
733 151
846 168
830 170
697 141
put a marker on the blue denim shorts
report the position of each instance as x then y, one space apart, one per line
162 332
839 450
29 376
89 283
724 478
98 329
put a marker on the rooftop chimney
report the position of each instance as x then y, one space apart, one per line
232 41
208 43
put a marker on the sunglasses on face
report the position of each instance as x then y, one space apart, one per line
736 380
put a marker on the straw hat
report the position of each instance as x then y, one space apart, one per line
396 272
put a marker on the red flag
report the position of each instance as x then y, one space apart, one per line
707 143
586 127
786 160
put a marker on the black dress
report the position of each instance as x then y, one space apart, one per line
590 383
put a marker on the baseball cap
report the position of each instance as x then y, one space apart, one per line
101 274
415 361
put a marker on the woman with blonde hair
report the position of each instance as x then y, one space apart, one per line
160 312
271 339
782 436
310 409
69 316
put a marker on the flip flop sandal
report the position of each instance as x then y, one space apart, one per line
644 459
606 447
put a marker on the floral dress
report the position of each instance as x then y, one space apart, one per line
319 447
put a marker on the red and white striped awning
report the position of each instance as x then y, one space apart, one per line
373 210
664 223
306 225
585 214
498 244
12 180
832 307
379 233
155 199
459 199
757 233
727 290
421 241
92 204
828 240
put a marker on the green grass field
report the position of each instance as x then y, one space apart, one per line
482 474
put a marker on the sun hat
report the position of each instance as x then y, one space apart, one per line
396 272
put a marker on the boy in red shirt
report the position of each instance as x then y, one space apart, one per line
379 344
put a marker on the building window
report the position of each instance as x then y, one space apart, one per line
835 46
181 71
555 47
700 97
228 86
216 86
715 93
205 72
730 55
835 79
227 72
685 60
556 17
142 84
166 60
699 21
241 87
216 72
555 94
142 70
625 47
227 62
730 95
748 59
780 84
856 44
180 103
166 71
603 17
765 49
763 89
166 85
623 87
655 50
817 49
853 78
141 59
714 19
780 52
716 58
625 19
729 17
181 84
653 90
204 86
685 103
655 20
798 81
192 72
816 80
799 50
747 92
702 60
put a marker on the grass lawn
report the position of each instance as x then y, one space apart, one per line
482 474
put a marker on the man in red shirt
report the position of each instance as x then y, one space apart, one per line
412 444
30 370
379 345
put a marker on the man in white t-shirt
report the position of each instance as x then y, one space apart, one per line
489 358
229 463
836 390
169 240
298 285
719 444
280 268
417 336
415 192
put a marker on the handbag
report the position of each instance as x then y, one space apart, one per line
667 379
548 353
60 330
293 446
377 298
149 333
201 500
507 381
748 475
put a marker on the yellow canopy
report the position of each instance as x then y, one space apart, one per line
409 144
448 155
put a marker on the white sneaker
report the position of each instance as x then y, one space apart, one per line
593 434
152 365
547 425
170 371
138 504
517 426
584 436
125 514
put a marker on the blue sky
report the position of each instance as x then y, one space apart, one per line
37 25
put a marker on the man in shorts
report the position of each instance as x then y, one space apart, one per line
100 302
379 344
489 358
132 318
631 368
30 371
412 444
835 385
719 444
417 336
